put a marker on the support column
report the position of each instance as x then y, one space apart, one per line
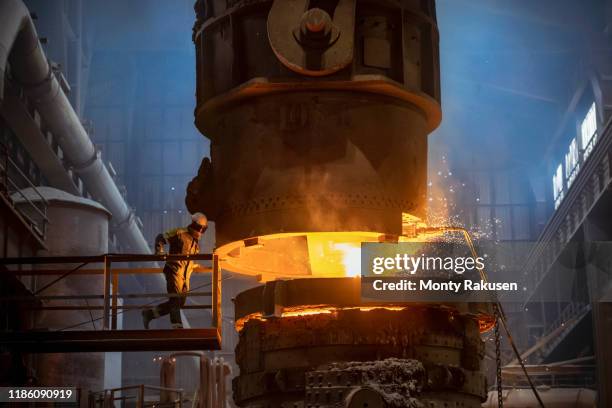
598 253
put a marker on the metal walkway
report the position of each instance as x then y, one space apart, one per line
110 338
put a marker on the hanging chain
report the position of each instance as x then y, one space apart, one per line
498 360
500 317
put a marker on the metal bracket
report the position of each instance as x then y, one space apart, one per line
273 295
309 41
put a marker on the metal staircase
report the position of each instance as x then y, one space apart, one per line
569 318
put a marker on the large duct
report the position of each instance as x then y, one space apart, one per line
20 46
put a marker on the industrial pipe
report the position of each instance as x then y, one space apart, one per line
20 46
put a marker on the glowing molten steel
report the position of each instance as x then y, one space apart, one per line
333 258
330 255
333 254
485 322
311 254
314 310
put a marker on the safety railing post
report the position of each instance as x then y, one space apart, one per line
5 170
221 383
207 392
115 300
140 401
203 383
107 289
107 400
212 383
216 295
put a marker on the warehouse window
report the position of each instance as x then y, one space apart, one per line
588 131
572 164
558 186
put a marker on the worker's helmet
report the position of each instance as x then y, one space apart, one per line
199 222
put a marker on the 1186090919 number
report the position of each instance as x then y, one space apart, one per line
38 394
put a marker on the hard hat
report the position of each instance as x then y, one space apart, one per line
199 221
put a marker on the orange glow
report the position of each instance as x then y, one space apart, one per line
313 310
485 322
310 254
333 256
321 255
308 311
297 255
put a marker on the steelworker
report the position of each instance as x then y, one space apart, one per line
182 241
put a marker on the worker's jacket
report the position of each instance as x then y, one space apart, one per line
181 243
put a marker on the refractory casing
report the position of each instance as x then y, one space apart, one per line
314 133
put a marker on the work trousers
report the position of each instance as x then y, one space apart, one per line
176 283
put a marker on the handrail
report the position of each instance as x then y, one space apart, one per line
111 284
11 187
94 297
110 295
37 260
547 236
108 395
8 159
145 386
83 271
34 206
90 308
569 316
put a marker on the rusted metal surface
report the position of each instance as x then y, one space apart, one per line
386 383
310 41
277 356
287 297
283 347
314 129
392 383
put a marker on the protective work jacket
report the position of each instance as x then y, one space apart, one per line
181 242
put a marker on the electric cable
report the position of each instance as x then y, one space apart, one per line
53 282
499 312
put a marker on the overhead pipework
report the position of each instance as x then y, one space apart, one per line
21 53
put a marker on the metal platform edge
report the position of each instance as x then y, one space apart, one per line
111 340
